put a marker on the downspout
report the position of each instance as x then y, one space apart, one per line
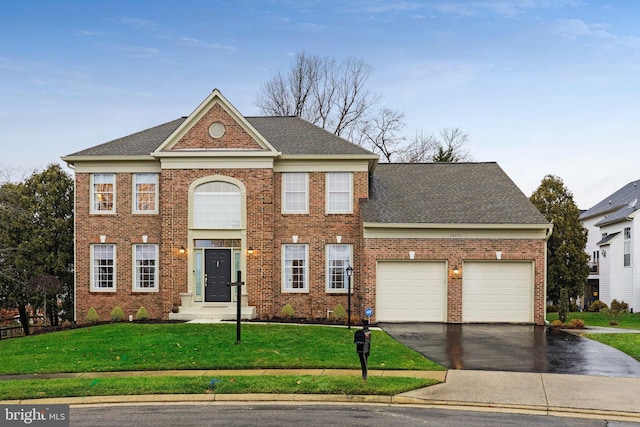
75 281
546 248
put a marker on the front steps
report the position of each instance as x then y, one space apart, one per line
213 311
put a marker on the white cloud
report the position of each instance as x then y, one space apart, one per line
501 7
134 22
574 29
199 43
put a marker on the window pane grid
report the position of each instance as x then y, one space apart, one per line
145 192
295 192
103 192
295 267
217 205
338 258
145 266
103 266
339 192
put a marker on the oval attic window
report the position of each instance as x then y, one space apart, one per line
216 130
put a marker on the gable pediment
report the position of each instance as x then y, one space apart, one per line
215 127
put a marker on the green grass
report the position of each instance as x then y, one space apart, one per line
284 384
132 346
625 320
627 343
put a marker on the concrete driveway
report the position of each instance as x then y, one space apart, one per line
515 348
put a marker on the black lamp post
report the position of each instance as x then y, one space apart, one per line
349 274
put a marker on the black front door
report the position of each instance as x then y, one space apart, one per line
217 269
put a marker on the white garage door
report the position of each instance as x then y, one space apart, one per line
411 291
497 292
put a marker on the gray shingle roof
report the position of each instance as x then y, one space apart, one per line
607 239
618 206
293 135
447 193
289 135
137 144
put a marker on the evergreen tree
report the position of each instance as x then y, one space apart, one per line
567 262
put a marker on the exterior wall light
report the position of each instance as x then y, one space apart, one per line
250 250
182 250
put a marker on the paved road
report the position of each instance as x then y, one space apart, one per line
311 415
514 348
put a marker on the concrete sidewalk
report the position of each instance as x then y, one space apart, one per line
553 394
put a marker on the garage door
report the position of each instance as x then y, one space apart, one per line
497 292
411 291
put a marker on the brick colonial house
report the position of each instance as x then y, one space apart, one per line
167 217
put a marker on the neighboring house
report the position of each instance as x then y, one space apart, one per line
613 236
166 218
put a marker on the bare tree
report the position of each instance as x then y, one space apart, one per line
379 133
333 95
451 146
420 149
322 91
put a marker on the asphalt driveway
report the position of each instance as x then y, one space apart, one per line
515 348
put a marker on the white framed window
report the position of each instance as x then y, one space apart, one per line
339 192
338 259
627 246
295 192
217 205
103 193
145 193
145 268
295 269
103 266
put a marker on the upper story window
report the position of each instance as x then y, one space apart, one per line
103 265
627 246
217 205
145 193
295 193
339 192
295 269
338 259
103 193
145 268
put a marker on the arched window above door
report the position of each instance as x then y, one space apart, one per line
217 205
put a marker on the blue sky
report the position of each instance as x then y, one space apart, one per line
541 86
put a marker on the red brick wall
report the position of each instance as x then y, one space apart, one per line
455 252
316 229
122 229
234 137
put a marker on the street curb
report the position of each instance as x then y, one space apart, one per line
308 399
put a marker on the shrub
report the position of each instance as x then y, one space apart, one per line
576 324
117 315
288 311
551 308
557 323
142 314
596 306
339 312
614 311
92 315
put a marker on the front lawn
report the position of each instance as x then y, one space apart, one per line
134 347
627 343
283 384
625 320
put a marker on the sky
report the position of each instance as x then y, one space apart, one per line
540 86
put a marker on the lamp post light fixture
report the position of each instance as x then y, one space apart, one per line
349 274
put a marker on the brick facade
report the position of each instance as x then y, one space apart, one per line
189 154
455 252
